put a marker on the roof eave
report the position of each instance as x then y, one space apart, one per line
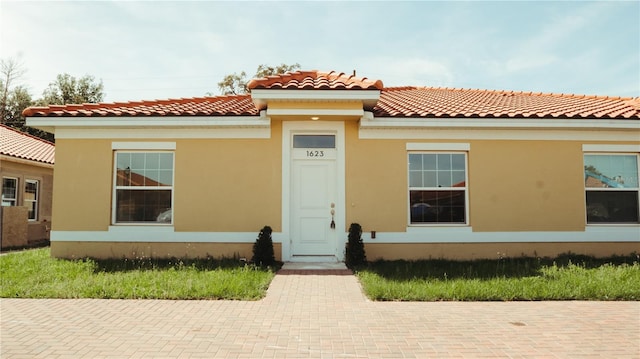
25 161
369 121
50 124
261 97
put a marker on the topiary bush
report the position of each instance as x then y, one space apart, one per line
263 248
354 255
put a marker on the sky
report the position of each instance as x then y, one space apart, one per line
144 50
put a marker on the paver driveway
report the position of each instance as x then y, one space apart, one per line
317 316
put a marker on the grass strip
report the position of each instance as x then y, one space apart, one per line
563 278
34 274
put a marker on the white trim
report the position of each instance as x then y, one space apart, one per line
146 121
136 234
163 133
115 187
289 127
467 134
318 95
610 148
25 161
261 97
465 188
143 145
314 112
437 146
155 234
14 200
25 200
592 234
456 122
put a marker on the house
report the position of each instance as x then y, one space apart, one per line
427 172
26 169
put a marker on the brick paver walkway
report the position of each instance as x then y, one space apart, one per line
317 316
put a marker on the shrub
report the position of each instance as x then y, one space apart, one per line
355 255
263 248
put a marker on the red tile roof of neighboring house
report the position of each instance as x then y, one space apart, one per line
401 102
22 145
315 80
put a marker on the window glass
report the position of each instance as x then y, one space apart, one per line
144 183
9 191
611 171
143 206
314 141
612 206
437 188
31 198
437 207
611 186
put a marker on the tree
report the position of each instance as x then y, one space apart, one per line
11 70
15 98
66 89
235 84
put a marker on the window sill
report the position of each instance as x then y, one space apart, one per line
142 228
464 228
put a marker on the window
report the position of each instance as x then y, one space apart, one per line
9 191
31 198
611 186
437 188
143 187
314 141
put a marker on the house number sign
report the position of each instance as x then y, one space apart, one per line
315 153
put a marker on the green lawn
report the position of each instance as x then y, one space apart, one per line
34 274
565 278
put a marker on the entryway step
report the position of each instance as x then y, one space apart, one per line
315 268
313 265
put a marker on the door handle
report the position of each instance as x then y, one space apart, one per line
333 223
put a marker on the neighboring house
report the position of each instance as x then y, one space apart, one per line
427 172
26 169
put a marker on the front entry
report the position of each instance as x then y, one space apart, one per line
313 195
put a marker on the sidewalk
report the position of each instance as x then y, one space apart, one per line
307 315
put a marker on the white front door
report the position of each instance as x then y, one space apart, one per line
313 195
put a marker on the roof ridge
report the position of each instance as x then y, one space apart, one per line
320 80
515 92
27 134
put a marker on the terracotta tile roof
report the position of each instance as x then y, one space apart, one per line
446 102
421 102
315 80
22 145
238 105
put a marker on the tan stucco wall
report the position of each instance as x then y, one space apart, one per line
376 182
104 250
465 251
220 185
82 193
228 185
526 186
513 185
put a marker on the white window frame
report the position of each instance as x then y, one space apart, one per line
611 150
127 147
15 199
435 149
29 202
